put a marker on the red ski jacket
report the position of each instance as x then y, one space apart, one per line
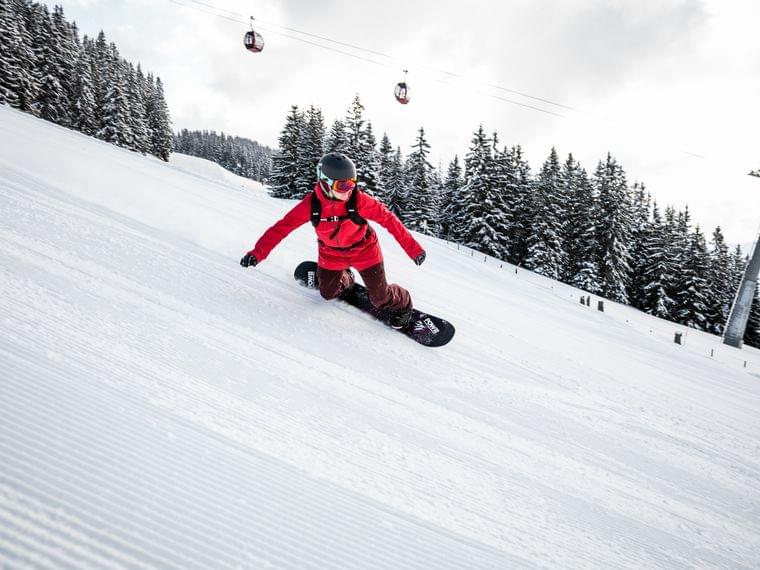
342 243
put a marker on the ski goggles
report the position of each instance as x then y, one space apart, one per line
341 186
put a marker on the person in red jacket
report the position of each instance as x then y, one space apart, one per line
339 212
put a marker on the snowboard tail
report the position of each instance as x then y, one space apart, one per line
424 328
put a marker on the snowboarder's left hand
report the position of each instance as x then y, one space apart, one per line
419 259
249 260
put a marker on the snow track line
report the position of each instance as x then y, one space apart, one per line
51 453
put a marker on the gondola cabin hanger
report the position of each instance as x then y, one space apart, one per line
402 91
253 41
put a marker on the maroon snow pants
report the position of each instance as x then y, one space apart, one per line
382 295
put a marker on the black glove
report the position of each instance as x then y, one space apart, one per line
249 260
419 259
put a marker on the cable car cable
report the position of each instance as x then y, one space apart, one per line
213 11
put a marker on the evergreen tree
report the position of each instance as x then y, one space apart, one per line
22 72
656 270
522 216
690 300
337 139
450 215
310 150
66 49
360 145
354 128
384 161
10 66
582 268
138 110
286 161
368 160
159 123
420 214
546 254
639 235
614 228
396 190
483 219
719 284
115 114
83 113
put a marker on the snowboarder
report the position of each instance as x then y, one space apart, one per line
339 212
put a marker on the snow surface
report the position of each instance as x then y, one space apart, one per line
161 407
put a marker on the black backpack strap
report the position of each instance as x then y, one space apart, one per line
316 209
353 214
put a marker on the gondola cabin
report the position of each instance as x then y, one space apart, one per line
402 90
253 41
402 93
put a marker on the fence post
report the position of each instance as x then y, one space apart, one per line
600 306
677 338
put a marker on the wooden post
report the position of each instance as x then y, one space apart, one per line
600 306
677 338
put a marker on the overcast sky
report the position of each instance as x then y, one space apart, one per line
670 87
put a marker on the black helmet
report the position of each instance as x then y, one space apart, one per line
336 166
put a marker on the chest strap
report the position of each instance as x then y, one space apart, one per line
353 214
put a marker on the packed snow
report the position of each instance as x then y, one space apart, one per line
162 407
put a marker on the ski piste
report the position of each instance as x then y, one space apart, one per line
426 329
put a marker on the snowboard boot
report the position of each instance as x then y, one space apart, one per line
400 319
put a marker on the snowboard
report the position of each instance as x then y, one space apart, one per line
426 329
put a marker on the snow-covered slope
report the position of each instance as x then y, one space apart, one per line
161 407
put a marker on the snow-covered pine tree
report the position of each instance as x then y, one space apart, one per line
420 213
719 284
67 50
354 123
641 211
449 213
337 139
503 178
83 112
310 150
159 122
482 225
614 227
101 73
384 159
283 181
656 269
138 109
360 144
546 254
522 214
582 268
396 190
52 103
115 114
23 72
368 161
691 293
10 67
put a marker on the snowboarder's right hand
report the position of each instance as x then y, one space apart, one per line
249 260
